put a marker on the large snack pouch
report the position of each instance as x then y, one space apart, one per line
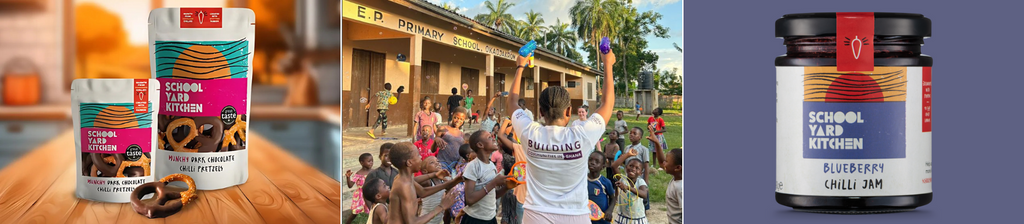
203 59
113 124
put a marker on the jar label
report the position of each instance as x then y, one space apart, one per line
865 133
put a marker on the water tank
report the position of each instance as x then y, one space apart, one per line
646 80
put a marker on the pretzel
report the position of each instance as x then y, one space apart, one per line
229 135
142 162
209 143
100 163
187 195
192 133
163 203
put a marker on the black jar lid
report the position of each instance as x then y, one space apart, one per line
824 24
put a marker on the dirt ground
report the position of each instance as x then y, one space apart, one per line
355 142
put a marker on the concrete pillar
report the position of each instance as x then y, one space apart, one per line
489 73
415 78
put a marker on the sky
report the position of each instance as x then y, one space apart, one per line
671 12
138 12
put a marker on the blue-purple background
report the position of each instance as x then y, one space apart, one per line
730 108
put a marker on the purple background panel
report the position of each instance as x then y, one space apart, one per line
730 74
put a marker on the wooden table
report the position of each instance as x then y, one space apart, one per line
280 189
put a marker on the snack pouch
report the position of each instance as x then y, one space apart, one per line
114 135
203 59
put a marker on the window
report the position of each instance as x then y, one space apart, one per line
570 84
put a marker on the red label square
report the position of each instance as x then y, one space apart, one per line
141 96
200 17
855 32
926 99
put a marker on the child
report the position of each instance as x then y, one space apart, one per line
643 154
611 151
621 127
483 182
673 164
437 115
430 165
404 201
385 171
491 120
599 188
556 159
426 142
467 155
659 130
377 194
423 118
512 201
454 101
358 179
632 191
469 102
453 139
382 108
522 105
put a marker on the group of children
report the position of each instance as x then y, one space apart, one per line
451 176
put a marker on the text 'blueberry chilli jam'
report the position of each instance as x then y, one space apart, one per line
854 128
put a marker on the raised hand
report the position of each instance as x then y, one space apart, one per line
523 61
443 173
448 200
631 153
348 174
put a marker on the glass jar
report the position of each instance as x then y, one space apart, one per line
853 131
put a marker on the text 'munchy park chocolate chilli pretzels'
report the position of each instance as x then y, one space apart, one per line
114 135
203 60
854 128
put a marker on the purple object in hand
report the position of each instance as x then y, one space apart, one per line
606 45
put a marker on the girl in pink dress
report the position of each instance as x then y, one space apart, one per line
357 179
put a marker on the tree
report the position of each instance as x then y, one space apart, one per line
669 82
533 27
678 48
497 15
97 31
594 19
561 39
450 7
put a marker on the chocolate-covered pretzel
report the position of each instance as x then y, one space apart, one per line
105 169
165 202
86 164
142 162
209 139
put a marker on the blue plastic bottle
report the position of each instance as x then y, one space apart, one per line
528 48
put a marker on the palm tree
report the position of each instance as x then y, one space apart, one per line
561 39
450 7
594 19
497 15
533 26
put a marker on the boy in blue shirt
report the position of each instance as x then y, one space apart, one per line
599 188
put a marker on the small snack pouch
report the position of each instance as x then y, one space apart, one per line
203 59
114 134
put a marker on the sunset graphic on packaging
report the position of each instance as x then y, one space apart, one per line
855 115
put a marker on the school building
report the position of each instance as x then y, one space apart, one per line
430 50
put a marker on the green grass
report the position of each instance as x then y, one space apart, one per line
360 219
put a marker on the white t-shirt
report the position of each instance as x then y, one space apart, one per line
577 122
556 163
485 208
674 200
